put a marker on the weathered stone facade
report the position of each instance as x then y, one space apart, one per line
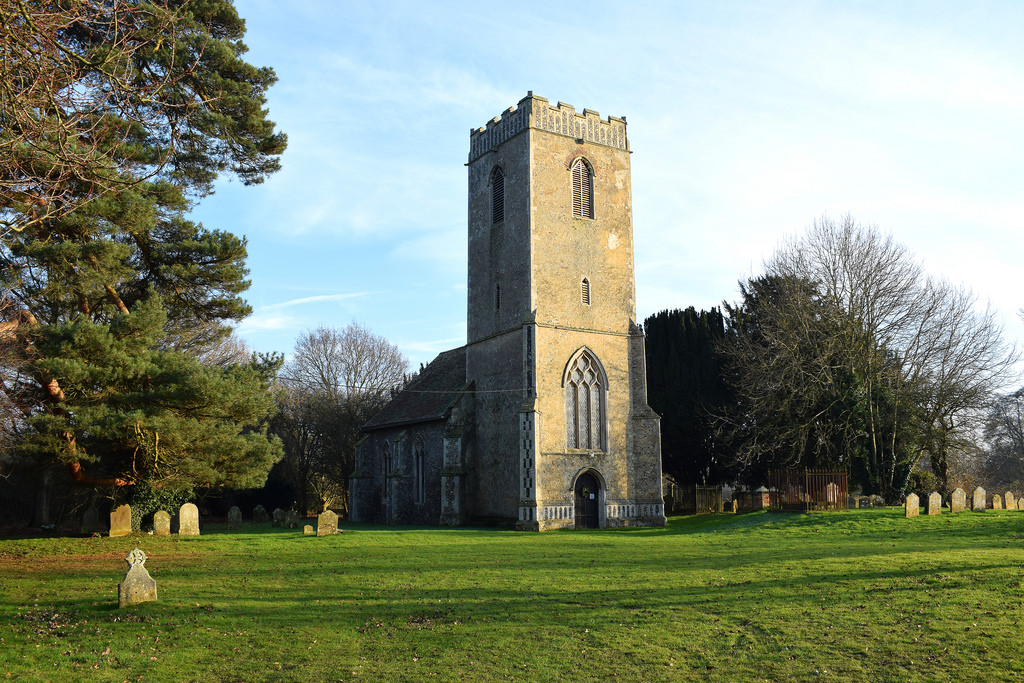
544 423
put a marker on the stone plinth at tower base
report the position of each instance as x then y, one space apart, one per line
137 586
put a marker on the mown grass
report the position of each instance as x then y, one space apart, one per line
859 595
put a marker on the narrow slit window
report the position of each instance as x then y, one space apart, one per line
582 190
585 292
497 297
497 196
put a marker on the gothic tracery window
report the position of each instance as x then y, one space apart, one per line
585 385
582 190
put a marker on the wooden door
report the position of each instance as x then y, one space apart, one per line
587 499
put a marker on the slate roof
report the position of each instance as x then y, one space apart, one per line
429 396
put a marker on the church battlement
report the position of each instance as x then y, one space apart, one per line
562 119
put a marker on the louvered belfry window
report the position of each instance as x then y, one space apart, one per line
585 292
584 404
497 196
582 190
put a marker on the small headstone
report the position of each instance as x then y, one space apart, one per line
1020 503
259 514
91 520
308 530
864 502
162 523
137 586
997 501
235 517
278 517
291 519
877 501
978 499
1009 501
121 521
913 505
832 494
934 503
327 523
188 520
958 500
852 503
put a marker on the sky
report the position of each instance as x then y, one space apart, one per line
747 121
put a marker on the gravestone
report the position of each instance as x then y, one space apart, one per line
913 505
121 521
934 503
188 520
91 521
278 517
291 519
1009 501
864 502
958 500
997 501
308 530
852 503
877 501
978 499
1020 503
735 505
235 517
327 523
832 494
162 523
259 514
137 586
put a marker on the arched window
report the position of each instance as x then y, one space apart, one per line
582 190
585 292
419 472
585 385
385 466
497 196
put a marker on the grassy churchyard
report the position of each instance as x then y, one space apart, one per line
858 595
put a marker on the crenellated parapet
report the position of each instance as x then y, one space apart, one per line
561 119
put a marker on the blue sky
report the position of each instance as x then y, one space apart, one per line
747 120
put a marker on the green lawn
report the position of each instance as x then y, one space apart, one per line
858 595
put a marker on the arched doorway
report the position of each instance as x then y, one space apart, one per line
587 499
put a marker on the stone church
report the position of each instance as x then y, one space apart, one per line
541 420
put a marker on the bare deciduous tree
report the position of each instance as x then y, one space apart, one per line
335 381
1004 434
349 363
890 365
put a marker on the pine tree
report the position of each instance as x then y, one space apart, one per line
101 271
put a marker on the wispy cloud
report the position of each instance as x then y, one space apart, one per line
311 300
264 323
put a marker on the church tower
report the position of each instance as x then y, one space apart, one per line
561 432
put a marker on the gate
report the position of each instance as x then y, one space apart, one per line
808 490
